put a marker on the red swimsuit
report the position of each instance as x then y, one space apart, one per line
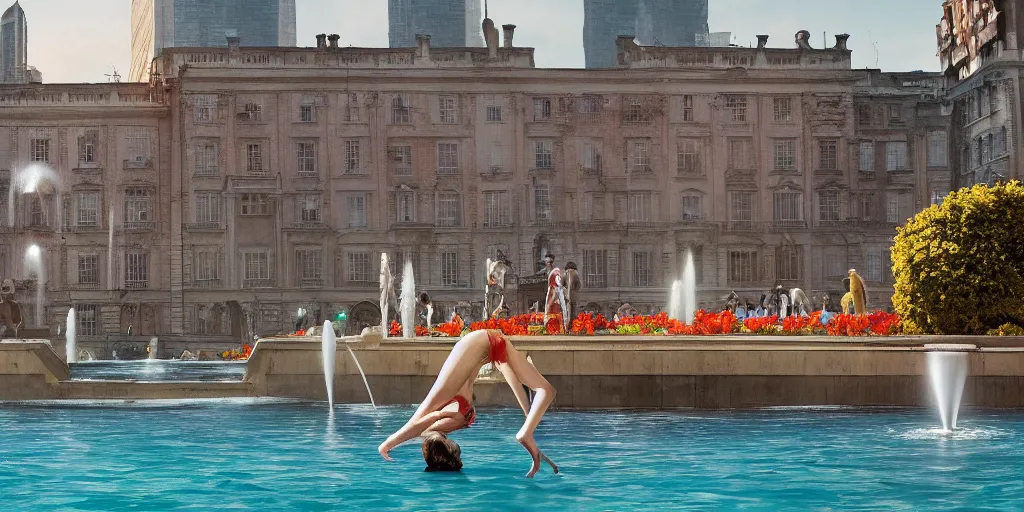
465 408
499 350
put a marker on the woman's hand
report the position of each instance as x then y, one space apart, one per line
384 450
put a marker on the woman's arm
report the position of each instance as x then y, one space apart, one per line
411 430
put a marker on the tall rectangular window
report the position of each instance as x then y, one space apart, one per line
541 109
88 269
937 154
741 209
256 265
736 108
641 269
633 111
88 319
353 163
255 204
590 160
309 209
788 263
687 108
207 208
39 150
896 157
639 155
640 207
401 159
206 268
205 108
688 158
307 109
692 207
405 206
87 145
352 113
741 156
787 207
305 154
448 108
495 156
782 110
543 154
401 110
542 203
867 156
449 268
36 213
309 265
447 158
357 211
449 206
207 156
785 154
828 206
595 268
496 209
873 262
137 146
136 270
88 204
136 205
360 268
254 159
828 154
743 266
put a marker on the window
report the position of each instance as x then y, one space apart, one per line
307 109
692 207
937 149
40 150
36 214
357 211
401 159
541 109
1000 148
205 108
207 267
740 154
595 268
787 207
255 204
788 263
360 270
591 158
207 158
497 212
993 99
687 108
867 156
873 262
305 153
828 206
898 206
352 114
741 209
633 112
864 115
493 113
136 270
688 158
254 159
87 147
986 148
937 197
400 110
449 268
589 105
639 156
785 154
736 108
352 162
207 208
782 110
88 269
641 269
495 156
309 210
138 147
542 154
640 207
136 205
449 206
896 157
88 208
309 265
449 109
447 158
828 154
256 265
542 203
253 112
743 266
867 205
895 113
406 207
87 315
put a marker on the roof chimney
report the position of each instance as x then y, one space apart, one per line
423 46
333 38
321 41
841 42
762 40
509 30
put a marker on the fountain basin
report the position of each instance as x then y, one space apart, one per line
950 347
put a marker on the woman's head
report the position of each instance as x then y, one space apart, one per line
441 453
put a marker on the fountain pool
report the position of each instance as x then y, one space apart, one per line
276 455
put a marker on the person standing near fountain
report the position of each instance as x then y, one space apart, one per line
448 406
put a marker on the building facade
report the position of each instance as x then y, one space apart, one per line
449 23
979 49
14 46
670 23
159 24
275 190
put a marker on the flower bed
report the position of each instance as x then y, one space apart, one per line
704 323
237 355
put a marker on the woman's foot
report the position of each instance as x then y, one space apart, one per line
531 447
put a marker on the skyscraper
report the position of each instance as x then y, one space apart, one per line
653 22
451 23
159 24
13 46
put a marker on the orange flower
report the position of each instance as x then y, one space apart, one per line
395 329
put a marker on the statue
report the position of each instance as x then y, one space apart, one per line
801 304
572 285
624 311
10 312
424 301
858 293
776 301
554 300
803 40
494 289
387 293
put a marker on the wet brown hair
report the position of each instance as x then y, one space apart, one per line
441 453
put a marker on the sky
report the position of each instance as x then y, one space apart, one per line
84 40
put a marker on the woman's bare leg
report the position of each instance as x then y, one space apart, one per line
544 395
465 359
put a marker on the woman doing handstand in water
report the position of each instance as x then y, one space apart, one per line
448 405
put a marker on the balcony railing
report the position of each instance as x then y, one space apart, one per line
138 163
136 285
86 228
257 283
362 284
787 225
206 284
204 226
308 174
308 224
311 283
139 226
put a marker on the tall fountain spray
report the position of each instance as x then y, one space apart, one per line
408 301
110 249
689 290
27 180
329 345
386 290
34 263
947 371
71 349
675 300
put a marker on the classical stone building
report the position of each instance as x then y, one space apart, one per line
283 174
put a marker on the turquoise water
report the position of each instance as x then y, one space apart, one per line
258 455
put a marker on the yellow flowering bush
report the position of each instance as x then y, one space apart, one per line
959 266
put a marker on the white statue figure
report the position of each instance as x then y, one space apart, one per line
494 289
573 284
387 293
800 303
